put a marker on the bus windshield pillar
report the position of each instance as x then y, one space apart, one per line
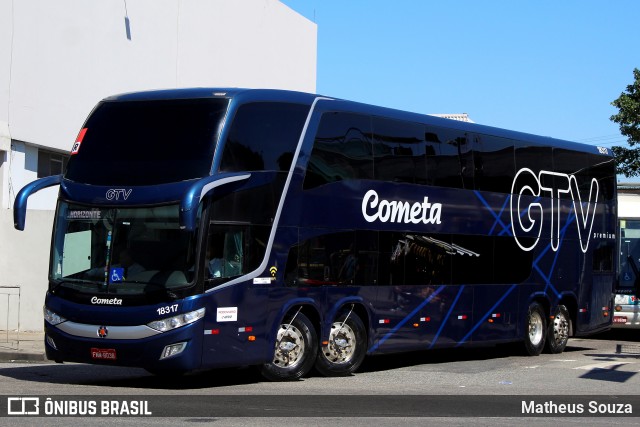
202 187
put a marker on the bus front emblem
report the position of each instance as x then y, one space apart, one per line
103 332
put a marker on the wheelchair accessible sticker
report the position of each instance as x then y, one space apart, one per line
116 275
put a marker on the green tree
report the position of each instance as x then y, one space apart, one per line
628 117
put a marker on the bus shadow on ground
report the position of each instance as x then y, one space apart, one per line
119 377
448 355
631 335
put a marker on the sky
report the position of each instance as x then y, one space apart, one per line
545 67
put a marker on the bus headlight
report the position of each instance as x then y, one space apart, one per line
52 317
174 322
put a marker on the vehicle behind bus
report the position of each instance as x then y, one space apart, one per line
627 304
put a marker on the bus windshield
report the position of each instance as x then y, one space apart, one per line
130 251
147 142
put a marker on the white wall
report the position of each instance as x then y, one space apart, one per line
59 58
68 54
24 261
628 205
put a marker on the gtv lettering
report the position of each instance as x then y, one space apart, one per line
374 209
528 220
118 193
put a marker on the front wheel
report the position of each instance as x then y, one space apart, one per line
535 335
295 348
346 347
558 333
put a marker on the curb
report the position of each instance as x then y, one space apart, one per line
20 356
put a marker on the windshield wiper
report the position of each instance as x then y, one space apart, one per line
59 282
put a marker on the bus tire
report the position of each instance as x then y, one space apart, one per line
346 349
558 330
535 334
294 351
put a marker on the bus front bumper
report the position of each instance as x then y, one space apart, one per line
176 350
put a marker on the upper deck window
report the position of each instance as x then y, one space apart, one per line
263 136
342 150
148 142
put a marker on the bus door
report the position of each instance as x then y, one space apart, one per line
596 288
629 261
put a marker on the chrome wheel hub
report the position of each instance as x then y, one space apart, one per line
560 328
535 328
289 346
342 343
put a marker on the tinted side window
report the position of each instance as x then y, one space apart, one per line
263 136
240 206
233 250
342 150
494 163
406 259
569 162
488 259
603 255
585 167
449 158
604 170
534 158
413 259
344 258
399 151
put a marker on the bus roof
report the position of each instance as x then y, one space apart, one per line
276 95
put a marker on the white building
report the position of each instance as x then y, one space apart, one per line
58 59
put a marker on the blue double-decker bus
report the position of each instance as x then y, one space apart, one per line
209 228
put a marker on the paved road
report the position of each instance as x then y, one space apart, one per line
589 367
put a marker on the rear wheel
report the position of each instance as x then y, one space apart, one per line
346 348
535 335
558 332
295 349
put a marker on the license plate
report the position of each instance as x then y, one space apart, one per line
619 319
103 353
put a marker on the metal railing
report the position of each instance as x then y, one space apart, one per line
10 321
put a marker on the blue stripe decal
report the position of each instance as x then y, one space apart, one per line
406 319
505 228
487 314
547 277
446 318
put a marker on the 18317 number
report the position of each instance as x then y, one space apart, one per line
167 309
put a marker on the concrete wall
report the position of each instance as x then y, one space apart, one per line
628 205
66 55
59 58
24 264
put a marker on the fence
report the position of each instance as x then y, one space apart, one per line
9 316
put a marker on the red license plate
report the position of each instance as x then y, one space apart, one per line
619 319
103 353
